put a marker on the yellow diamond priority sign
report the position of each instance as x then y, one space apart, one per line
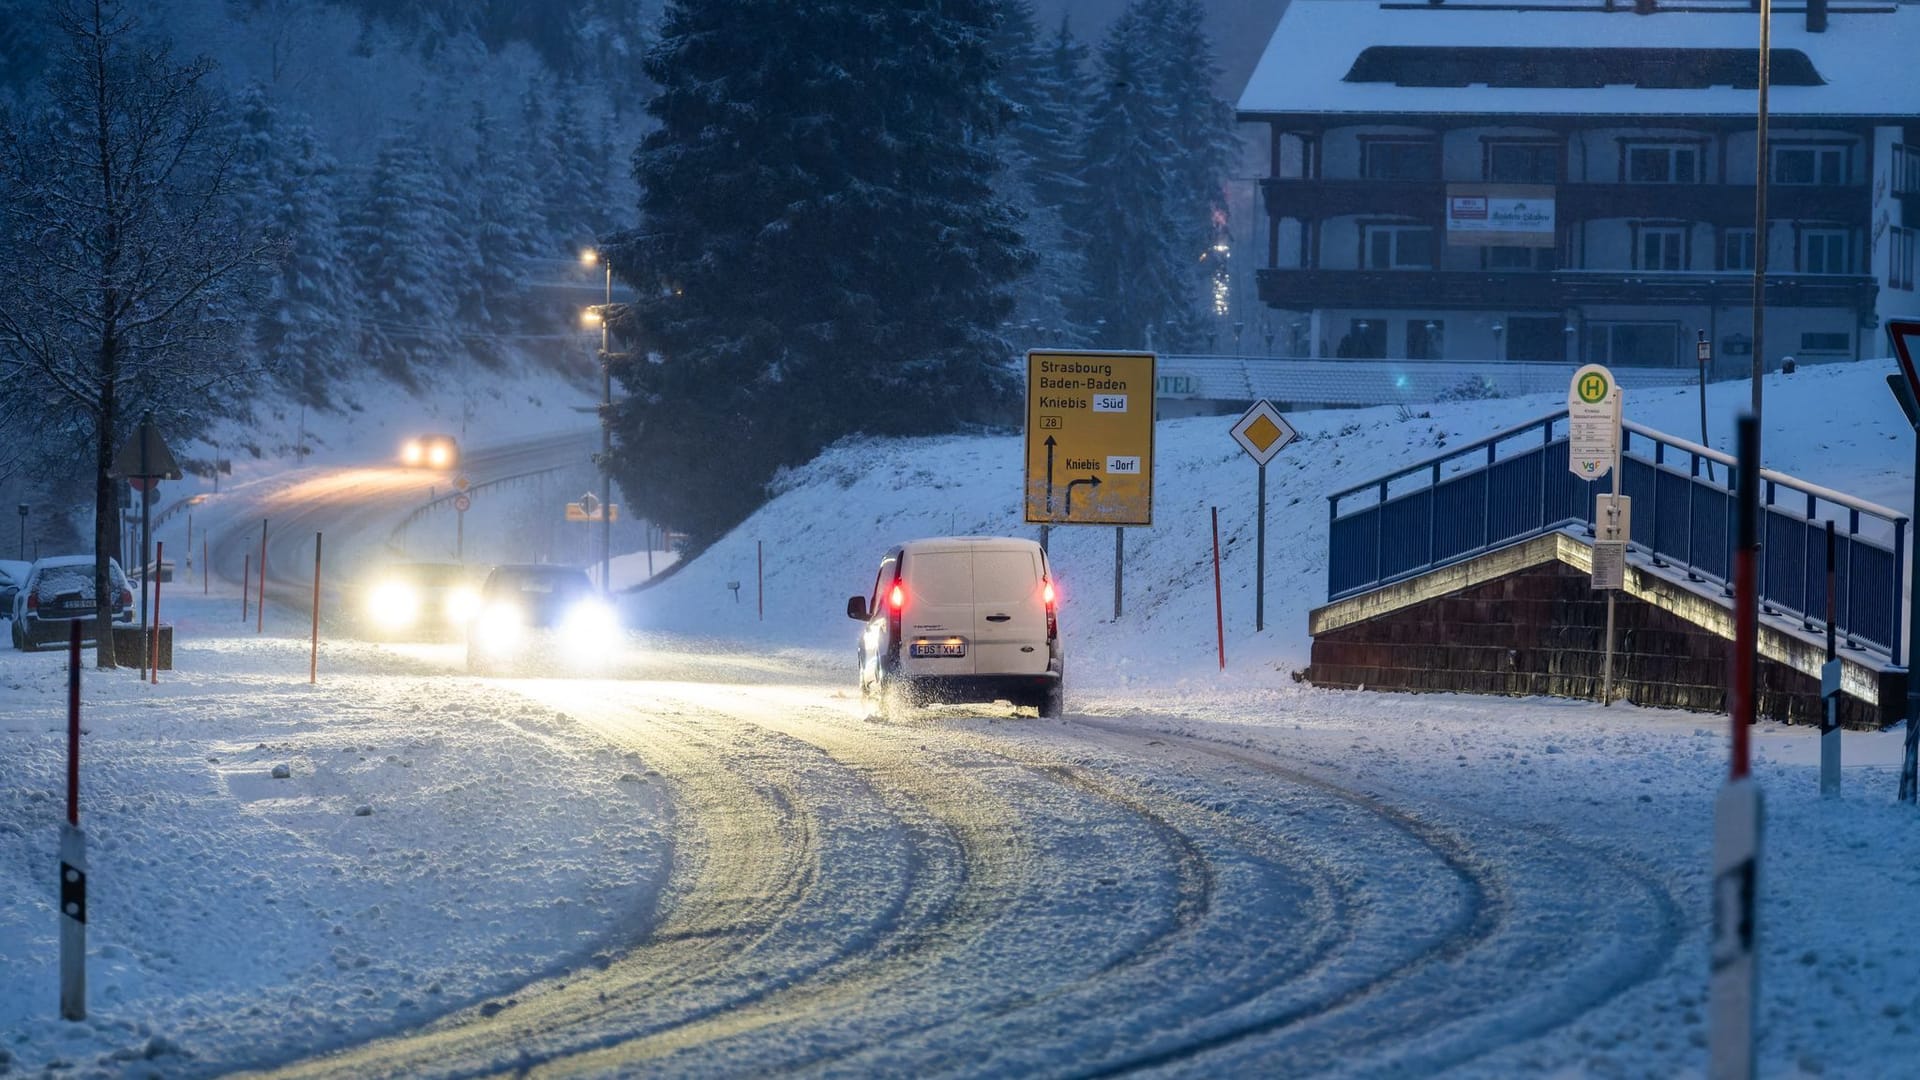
1263 432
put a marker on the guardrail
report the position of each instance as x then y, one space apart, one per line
1515 485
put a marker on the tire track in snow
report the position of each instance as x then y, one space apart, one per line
1448 1030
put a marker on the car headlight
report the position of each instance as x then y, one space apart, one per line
590 629
462 605
412 453
439 455
394 604
499 627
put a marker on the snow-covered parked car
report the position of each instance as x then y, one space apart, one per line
59 591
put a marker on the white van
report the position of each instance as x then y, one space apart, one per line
969 618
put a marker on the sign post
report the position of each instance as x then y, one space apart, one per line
1262 433
1830 693
1906 390
153 635
144 460
1089 444
1594 414
1734 976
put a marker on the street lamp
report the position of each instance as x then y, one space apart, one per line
588 257
23 532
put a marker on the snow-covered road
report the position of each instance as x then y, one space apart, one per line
718 866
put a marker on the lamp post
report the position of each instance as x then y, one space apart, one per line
590 256
23 532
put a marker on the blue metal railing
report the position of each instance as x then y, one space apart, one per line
1516 485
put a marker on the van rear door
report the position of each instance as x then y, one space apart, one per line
937 620
1010 627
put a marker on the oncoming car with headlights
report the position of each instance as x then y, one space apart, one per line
430 452
419 600
542 620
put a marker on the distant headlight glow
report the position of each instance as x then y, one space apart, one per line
499 627
413 453
462 605
394 604
590 630
439 455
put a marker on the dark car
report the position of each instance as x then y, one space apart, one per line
418 601
545 619
59 591
13 574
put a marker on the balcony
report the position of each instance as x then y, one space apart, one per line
1729 205
1555 289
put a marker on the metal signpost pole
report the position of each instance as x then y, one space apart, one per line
1219 614
1119 552
313 656
1830 693
1734 979
23 532
1762 168
1260 556
1613 534
1703 350
1262 433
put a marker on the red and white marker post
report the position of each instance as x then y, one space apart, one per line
73 856
1733 985
313 658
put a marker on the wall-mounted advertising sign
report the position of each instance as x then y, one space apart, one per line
1500 215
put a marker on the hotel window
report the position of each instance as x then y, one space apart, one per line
1366 339
1829 343
1823 251
1400 159
1660 248
1516 258
1900 258
1736 251
1662 163
1906 169
1809 164
1523 163
1398 247
1633 344
1426 339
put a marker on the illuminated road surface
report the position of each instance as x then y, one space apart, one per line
971 892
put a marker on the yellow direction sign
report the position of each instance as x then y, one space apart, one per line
578 512
1089 438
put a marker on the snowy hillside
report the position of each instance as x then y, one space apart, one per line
824 533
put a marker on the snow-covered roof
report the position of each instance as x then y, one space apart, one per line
1864 59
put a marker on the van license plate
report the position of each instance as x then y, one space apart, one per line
939 648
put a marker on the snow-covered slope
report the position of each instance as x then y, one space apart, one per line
823 534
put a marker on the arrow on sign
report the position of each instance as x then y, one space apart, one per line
1071 484
1050 446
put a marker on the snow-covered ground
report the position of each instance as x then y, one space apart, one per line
446 845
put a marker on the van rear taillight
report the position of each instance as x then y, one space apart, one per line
1046 593
1053 621
897 599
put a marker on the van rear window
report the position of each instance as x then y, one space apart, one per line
1004 577
941 577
